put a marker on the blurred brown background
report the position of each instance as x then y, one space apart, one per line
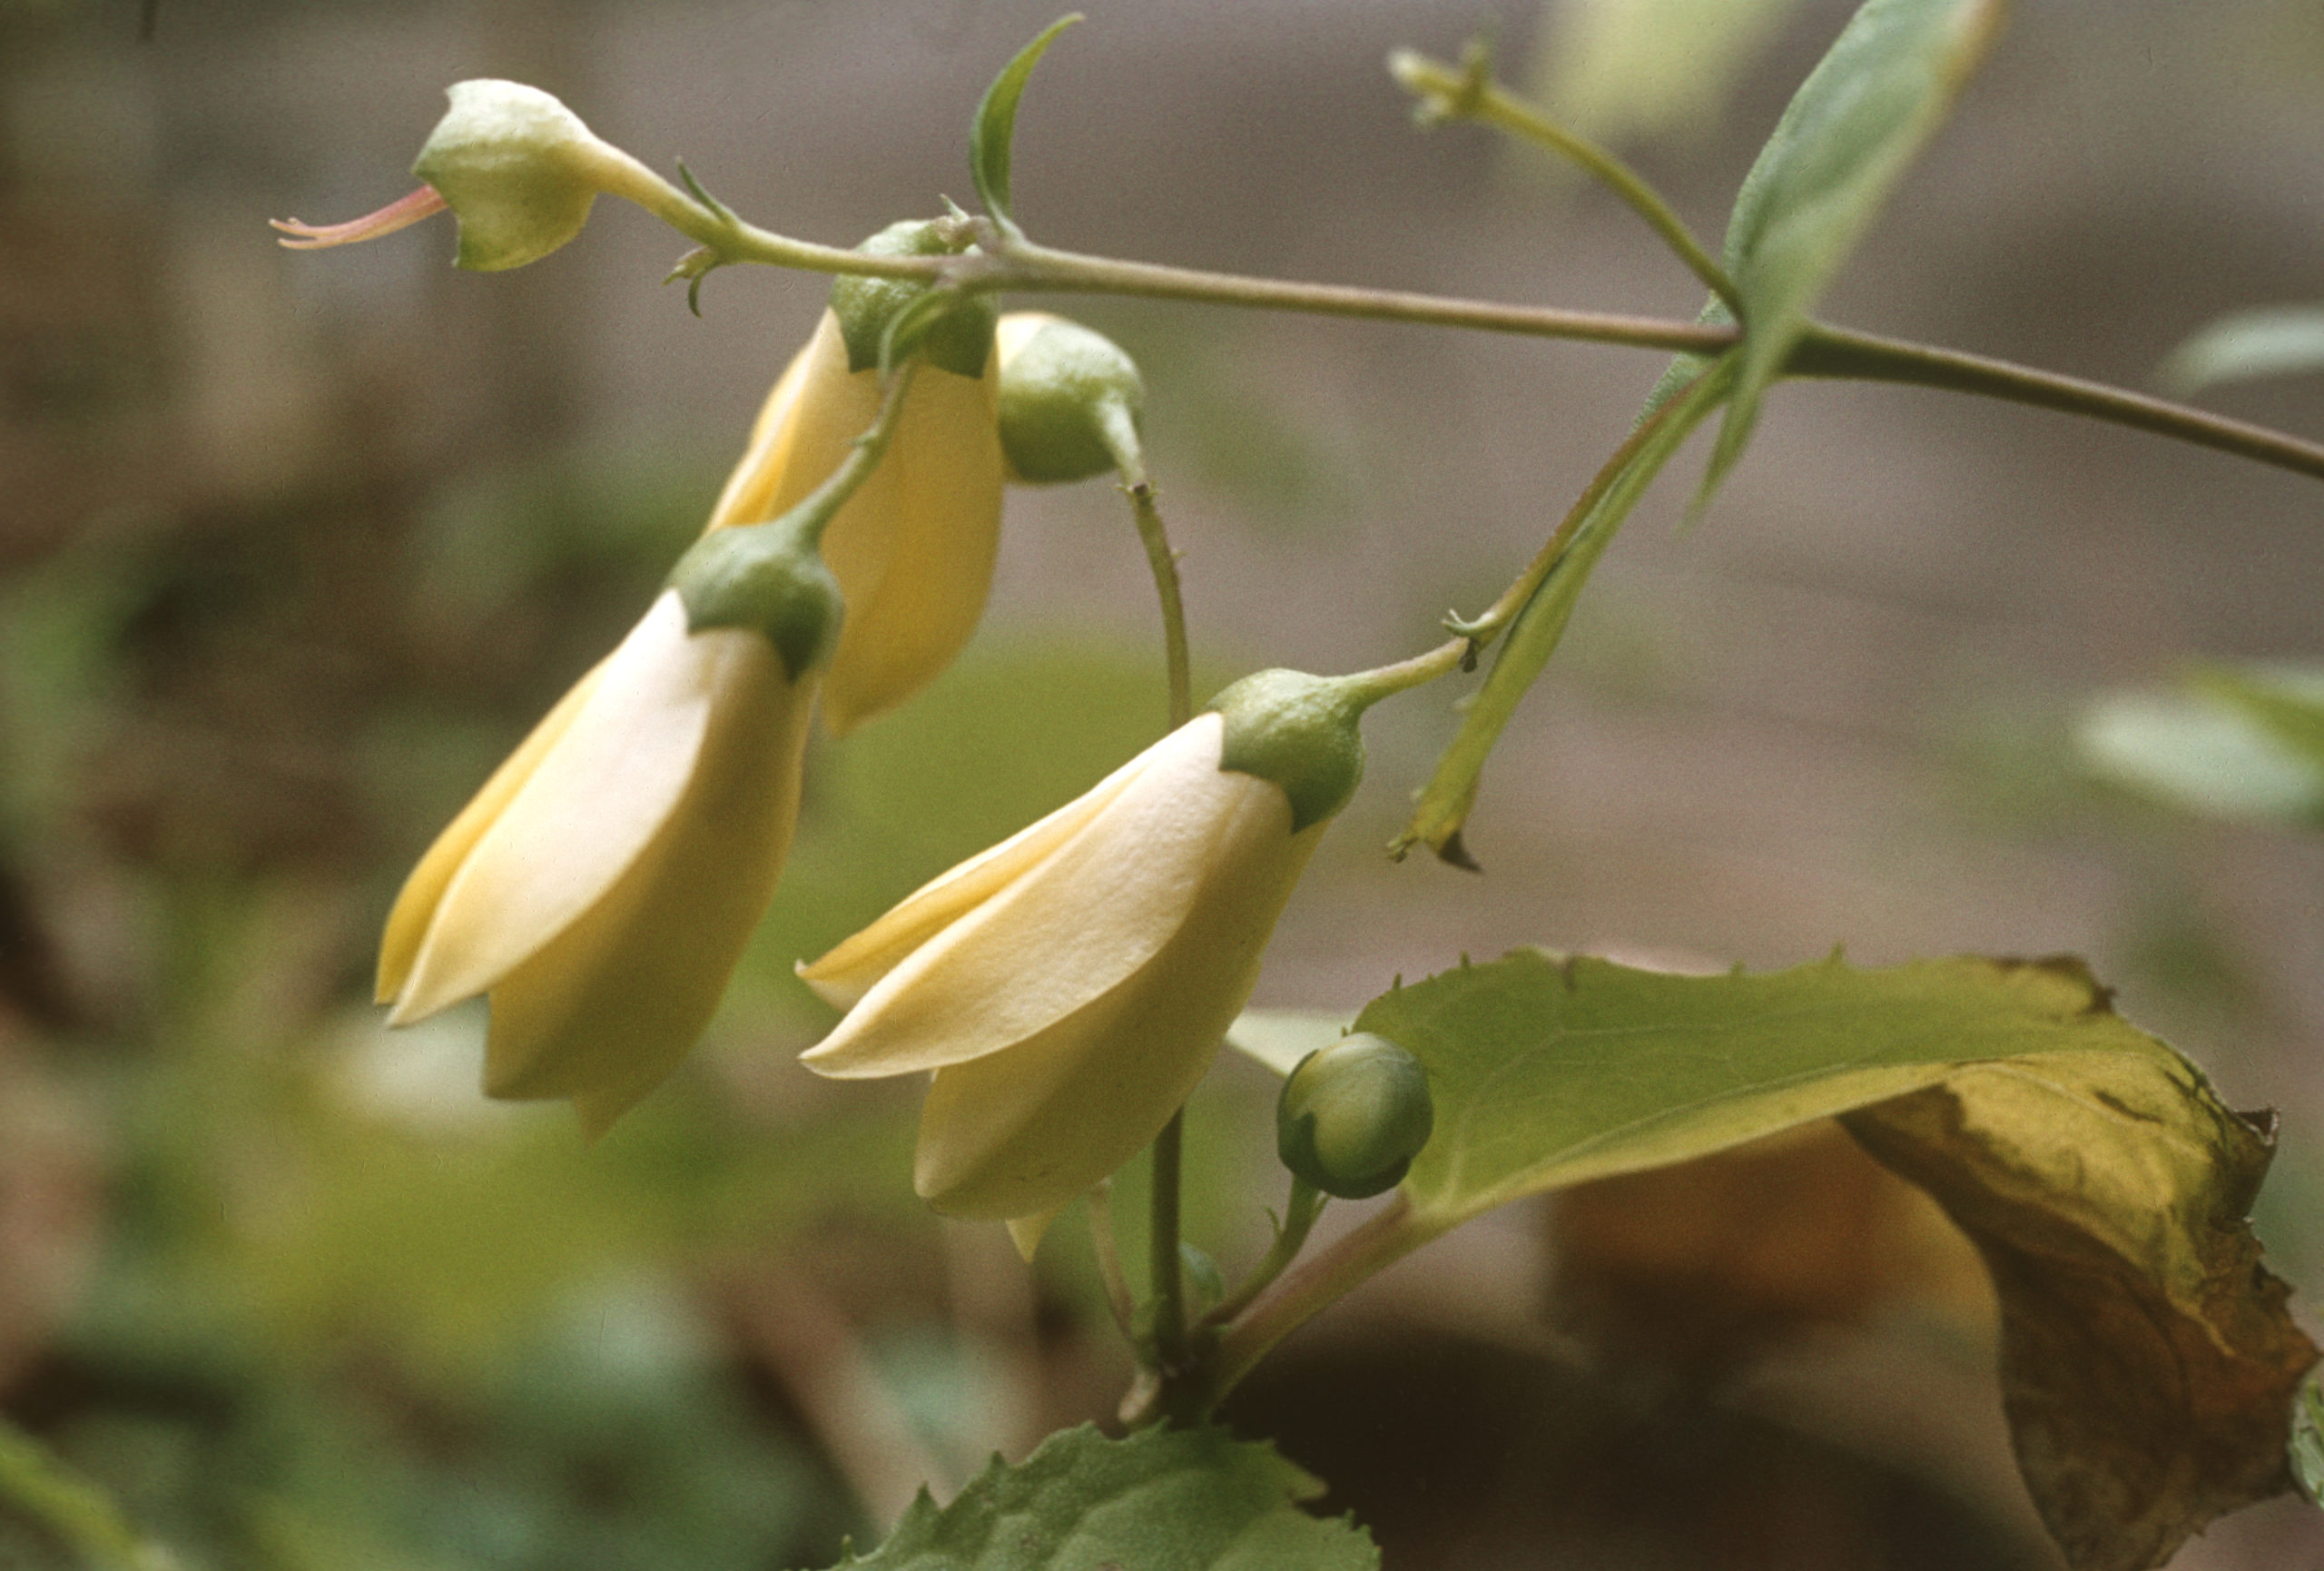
293 547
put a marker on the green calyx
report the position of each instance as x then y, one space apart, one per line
1071 402
1300 732
768 577
518 168
958 341
1353 1116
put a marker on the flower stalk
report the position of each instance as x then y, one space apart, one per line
1470 93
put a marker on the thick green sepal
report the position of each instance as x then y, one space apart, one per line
1071 402
765 577
1300 732
1353 1116
516 169
994 134
959 341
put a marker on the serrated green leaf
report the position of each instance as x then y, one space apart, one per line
2147 1362
1533 633
994 134
1841 146
1161 1500
2276 341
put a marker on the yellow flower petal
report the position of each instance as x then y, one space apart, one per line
599 792
844 975
608 1009
1026 1129
1026 1232
913 549
1102 902
423 891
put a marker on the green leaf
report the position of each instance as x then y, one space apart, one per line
1161 1500
995 132
1840 148
1533 633
2148 1363
2277 340
2288 701
2246 744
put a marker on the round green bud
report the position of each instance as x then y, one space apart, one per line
768 577
959 341
518 169
1354 1115
1299 731
1070 400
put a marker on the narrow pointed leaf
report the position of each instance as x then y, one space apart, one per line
1533 633
1161 1500
2149 1367
995 133
1843 143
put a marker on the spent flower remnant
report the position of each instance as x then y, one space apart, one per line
518 171
602 884
913 549
1071 985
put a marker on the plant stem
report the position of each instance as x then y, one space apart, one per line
1098 1207
1299 1213
1160 558
1831 352
1386 1236
1008 264
1471 95
1166 1280
1017 264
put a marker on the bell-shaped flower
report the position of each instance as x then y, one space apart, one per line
913 549
602 884
1069 986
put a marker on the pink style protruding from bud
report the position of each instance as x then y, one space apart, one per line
299 235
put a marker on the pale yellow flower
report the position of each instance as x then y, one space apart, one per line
1069 986
913 549
602 884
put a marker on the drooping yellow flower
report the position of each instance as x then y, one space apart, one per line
913 549
602 884
1069 986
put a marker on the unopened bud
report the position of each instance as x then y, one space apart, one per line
1354 1115
1070 400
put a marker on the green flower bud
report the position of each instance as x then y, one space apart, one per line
1354 1115
1070 400
957 341
768 577
519 171
1300 732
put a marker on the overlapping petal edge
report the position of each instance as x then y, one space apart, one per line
1069 986
601 887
